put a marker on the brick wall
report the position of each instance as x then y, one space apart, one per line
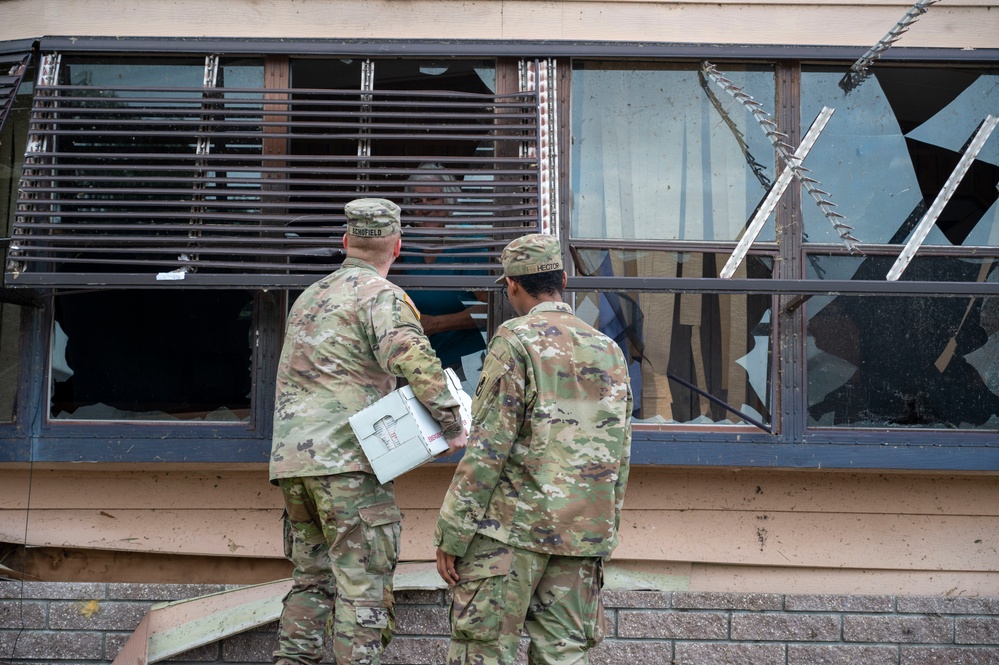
43 622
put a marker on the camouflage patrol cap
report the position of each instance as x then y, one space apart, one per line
531 254
372 218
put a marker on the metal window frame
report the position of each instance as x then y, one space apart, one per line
498 49
796 444
847 449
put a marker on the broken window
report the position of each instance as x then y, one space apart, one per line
693 358
194 184
152 355
136 168
903 361
891 146
427 145
187 172
373 127
660 155
141 354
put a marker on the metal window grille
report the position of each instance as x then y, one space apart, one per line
219 187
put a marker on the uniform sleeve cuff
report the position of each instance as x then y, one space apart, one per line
454 430
449 542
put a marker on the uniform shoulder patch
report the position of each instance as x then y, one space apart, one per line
406 299
484 380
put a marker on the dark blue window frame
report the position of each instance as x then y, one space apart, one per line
29 439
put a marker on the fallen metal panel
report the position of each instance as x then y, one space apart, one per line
170 629
136 650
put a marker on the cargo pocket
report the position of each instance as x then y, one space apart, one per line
477 608
289 537
381 528
372 617
369 637
595 629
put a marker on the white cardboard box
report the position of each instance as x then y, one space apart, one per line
398 434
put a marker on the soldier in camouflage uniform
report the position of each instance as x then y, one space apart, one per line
349 336
534 506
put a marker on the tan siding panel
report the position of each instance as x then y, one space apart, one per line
649 489
756 490
143 489
425 488
755 24
968 25
53 489
752 518
15 489
765 579
775 579
761 539
244 533
813 539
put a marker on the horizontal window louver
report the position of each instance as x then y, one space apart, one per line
245 187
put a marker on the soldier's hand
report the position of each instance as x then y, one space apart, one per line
445 567
455 444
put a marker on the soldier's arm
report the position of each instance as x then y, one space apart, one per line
497 413
402 349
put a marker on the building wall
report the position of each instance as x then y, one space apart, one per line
964 24
703 530
896 567
90 623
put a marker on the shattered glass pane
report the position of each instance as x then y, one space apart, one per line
719 344
661 153
890 147
894 361
152 355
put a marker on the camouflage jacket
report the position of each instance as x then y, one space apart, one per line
349 336
548 455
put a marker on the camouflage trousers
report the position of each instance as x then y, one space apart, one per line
503 590
342 534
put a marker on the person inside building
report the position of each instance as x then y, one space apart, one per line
349 336
535 504
453 320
